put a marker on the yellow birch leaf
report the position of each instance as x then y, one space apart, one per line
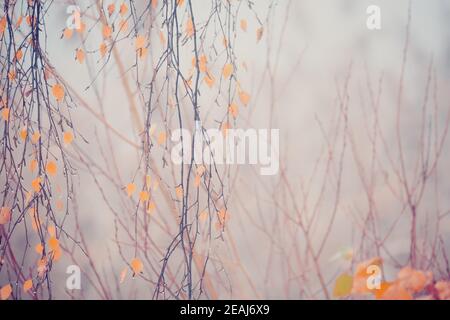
343 286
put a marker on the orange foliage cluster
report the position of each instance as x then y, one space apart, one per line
410 284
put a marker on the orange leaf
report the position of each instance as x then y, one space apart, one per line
244 25
414 280
225 126
19 55
361 275
162 138
39 248
144 196
57 254
131 187
107 31
203 216
162 37
227 70
139 42
5 215
443 289
68 137
123 9
103 49
51 168
35 137
379 293
82 27
51 230
33 165
259 34
53 243
197 181
2 25
111 9
151 207
58 92
80 55
67 34
148 181
36 184
27 285
42 266
136 265
23 133
396 292
244 97
59 205
233 109
179 192
5 114
189 28
11 75
209 79
223 216
19 21
5 292
202 61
